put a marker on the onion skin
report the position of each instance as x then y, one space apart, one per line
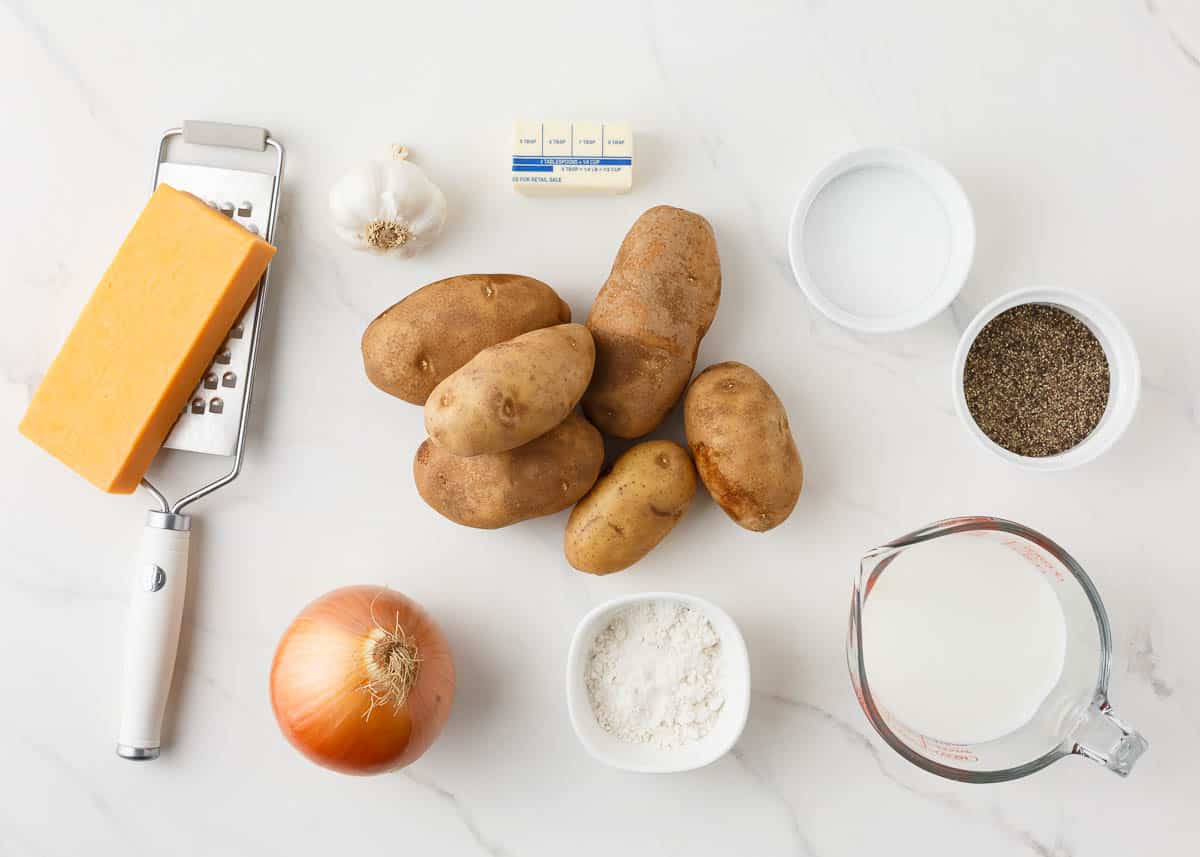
320 673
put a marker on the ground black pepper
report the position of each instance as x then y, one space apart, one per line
1036 380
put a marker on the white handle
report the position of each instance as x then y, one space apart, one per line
152 636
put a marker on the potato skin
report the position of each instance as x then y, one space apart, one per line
414 345
739 435
513 392
649 318
631 509
544 476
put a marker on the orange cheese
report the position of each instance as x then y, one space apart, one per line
144 339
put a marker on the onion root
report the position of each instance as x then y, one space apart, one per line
392 663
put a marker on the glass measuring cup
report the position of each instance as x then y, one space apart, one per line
1074 719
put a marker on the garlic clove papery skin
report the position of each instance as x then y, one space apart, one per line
429 222
388 207
354 199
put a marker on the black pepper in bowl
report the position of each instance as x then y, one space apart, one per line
1036 380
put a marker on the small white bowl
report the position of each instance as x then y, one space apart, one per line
646 758
1124 371
882 239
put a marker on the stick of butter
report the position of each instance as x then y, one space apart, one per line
572 157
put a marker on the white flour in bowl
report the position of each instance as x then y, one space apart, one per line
653 675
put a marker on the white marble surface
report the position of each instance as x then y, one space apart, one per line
1075 129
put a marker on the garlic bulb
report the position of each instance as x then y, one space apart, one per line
388 206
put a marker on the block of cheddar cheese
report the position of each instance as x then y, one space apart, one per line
144 339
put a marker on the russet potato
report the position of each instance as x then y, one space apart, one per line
739 434
631 508
649 318
544 476
511 393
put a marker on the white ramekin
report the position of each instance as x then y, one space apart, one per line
644 758
1125 376
954 259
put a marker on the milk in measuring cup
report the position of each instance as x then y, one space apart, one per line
963 639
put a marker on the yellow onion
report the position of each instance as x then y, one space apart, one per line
362 680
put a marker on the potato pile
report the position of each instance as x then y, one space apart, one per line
499 368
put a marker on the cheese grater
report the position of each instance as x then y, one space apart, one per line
212 422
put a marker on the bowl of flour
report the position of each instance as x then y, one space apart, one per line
658 682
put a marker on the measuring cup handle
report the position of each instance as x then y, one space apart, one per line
1109 740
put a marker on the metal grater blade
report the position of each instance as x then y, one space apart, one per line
211 419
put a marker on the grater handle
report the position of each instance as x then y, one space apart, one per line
225 134
152 634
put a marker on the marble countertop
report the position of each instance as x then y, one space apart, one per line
1074 128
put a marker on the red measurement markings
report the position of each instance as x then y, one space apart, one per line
931 746
1038 559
